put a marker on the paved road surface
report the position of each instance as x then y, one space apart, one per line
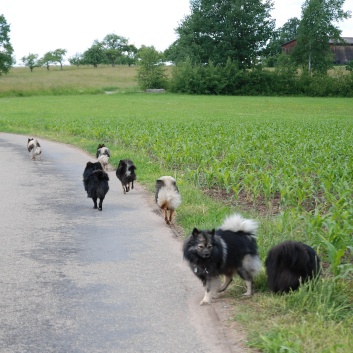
76 280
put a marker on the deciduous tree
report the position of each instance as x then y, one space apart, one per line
77 59
94 55
113 47
48 59
6 50
317 27
31 61
151 71
58 55
220 29
130 54
280 36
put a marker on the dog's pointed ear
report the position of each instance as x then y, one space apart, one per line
195 232
159 183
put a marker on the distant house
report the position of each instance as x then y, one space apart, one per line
343 51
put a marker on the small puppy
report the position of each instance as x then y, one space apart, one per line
167 196
103 155
227 251
289 264
34 148
95 181
126 174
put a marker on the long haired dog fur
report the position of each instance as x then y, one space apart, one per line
226 251
95 181
103 155
126 174
289 264
34 148
167 196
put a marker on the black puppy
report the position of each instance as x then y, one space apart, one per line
95 181
126 174
289 264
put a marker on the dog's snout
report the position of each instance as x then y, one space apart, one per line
206 254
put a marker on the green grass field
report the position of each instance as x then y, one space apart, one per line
287 162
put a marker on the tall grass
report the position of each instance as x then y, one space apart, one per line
71 80
284 161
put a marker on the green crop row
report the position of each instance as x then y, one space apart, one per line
295 159
287 162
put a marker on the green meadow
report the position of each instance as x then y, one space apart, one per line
285 161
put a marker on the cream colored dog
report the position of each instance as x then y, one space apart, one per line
103 155
167 196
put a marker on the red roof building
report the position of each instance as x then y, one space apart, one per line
343 51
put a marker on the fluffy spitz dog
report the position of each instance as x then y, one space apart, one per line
95 181
34 148
126 174
227 251
289 264
103 155
167 196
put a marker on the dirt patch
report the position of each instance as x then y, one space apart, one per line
246 202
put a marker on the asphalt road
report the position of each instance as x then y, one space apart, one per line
73 279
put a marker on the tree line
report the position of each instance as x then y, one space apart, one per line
225 47
113 50
225 44
244 32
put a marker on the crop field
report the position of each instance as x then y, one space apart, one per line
287 162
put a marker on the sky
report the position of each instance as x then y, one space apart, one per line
39 26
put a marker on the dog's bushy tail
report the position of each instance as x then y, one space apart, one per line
237 223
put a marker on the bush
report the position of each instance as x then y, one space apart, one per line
349 66
230 80
151 73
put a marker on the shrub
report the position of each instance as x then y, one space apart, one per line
151 73
349 66
230 80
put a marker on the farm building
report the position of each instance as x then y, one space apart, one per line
343 51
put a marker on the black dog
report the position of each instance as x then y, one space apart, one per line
289 264
95 181
126 174
226 251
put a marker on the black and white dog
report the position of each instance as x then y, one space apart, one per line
227 251
34 148
289 264
103 155
167 196
126 174
95 181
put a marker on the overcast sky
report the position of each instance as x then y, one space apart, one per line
39 26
